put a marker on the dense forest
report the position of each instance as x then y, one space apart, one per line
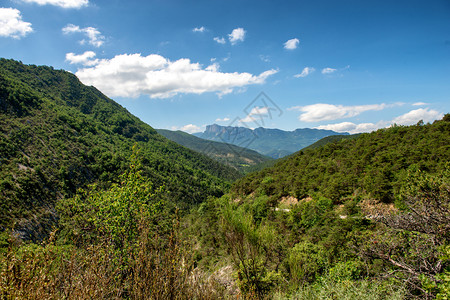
135 216
374 164
57 135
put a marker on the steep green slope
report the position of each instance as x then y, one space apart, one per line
57 135
374 164
237 157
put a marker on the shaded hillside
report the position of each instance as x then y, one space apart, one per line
57 135
234 156
275 143
373 163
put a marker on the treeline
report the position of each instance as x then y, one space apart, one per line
374 164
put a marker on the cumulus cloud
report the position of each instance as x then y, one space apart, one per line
238 34
94 36
199 29
220 40
410 118
61 3
326 112
353 128
222 120
291 44
305 72
86 58
189 128
257 113
132 75
328 70
414 116
11 24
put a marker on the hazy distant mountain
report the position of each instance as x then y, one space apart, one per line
275 143
232 155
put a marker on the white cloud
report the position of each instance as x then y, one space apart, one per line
352 127
189 128
132 75
414 116
199 29
94 36
220 40
238 34
410 118
328 70
306 71
326 112
222 120
61 3
291 44
420 104
86 58
257 113
11 24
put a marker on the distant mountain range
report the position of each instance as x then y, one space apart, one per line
275 143
237 157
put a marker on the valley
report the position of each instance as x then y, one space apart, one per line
95 201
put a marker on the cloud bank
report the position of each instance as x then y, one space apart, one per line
326 112
133 75
60 3
11 24
410 118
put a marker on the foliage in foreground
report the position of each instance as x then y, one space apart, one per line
363 249
113 244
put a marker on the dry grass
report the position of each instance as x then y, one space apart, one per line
95 272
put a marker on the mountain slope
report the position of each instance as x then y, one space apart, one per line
275 143
374 164
57 135
330 139
232 155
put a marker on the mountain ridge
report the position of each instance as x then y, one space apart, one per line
58 135
232 155
275 143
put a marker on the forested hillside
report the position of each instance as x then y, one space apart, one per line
373 164
57 135
355 217
358 218
237 157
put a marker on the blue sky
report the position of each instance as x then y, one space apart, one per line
345 65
